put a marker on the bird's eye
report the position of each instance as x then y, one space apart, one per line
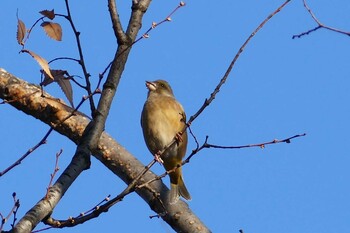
162 85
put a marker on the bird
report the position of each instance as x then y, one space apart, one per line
163 119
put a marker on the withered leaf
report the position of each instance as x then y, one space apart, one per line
47 80
53 30
67 89
42 62
21 31
62 79
49 14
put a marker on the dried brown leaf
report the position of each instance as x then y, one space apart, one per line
61 77
53 30
47 80
21 31
49 14
42 62
66 88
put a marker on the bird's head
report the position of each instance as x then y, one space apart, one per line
160 87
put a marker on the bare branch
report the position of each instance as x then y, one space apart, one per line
320 25
154 24
12 211
144 35
31 150
101 209
261 145
228 71
44 139
81 57
83 217
207 145
54 172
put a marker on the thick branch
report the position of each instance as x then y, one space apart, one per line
114 76
117 25
27 98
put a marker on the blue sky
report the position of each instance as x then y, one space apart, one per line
279 87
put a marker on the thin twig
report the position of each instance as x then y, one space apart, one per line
53 174
103 208
13 211
97 206
145 34
81 56
31 150
320 25
207 145
228 71
154 24
194 137
44 139
30 30
261 145
71 221
64 58
43 229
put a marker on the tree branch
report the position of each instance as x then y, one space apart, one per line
117 26
320 25
233 62
81 57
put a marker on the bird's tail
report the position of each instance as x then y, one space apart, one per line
177 190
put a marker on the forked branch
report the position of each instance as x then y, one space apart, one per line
319 25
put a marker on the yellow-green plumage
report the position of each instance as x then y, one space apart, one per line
161 120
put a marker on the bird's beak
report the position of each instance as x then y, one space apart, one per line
151 86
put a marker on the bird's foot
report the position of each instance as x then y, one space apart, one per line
158 158
178 137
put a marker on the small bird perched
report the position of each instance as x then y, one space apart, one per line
162 120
